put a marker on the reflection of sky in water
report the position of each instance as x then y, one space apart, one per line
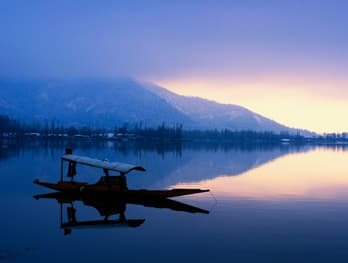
318 174
275 205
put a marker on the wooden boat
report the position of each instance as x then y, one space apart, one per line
85 188
107 184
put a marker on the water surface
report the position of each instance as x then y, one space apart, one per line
267 204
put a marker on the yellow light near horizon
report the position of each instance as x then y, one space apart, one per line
319 174
291 104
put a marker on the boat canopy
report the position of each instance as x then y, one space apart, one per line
112 166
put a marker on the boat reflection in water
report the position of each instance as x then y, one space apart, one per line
108 205
109 195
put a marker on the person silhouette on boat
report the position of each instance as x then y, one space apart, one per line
72 170
120 180
123 182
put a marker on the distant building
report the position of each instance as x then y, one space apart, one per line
32 134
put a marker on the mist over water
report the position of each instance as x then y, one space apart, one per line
266 203
246 99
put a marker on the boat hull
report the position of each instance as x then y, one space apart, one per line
71 187
84 188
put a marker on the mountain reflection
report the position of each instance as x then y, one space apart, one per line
252 171
318 174
204 165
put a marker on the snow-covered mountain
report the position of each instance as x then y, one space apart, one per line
86 102
113 102
210 114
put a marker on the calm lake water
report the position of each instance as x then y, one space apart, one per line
267 204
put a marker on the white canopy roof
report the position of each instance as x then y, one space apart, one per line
113 166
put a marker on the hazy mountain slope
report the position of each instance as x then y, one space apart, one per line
113 102
210 114
95 102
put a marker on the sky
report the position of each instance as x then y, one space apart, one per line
287 60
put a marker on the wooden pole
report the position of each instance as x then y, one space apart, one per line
61 170
61 214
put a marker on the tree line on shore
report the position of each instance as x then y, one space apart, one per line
10 127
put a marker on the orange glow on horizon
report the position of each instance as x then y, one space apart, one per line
317 107
319 174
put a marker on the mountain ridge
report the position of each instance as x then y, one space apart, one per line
100 102
85 102
218 115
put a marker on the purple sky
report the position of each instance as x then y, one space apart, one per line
284 59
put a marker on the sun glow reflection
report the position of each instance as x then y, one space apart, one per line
319 174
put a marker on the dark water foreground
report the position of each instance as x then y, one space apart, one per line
267 204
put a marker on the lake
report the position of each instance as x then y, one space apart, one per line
266 204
